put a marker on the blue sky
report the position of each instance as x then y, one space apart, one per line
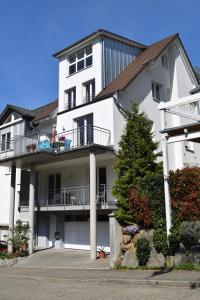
32 30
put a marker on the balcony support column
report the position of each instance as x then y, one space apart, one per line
12 208
17 192
93 213
31 207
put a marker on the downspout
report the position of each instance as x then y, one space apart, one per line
118 104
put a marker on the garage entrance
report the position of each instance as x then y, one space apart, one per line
77 232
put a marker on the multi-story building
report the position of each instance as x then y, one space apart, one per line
57 161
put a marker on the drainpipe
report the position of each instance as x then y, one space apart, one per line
118 104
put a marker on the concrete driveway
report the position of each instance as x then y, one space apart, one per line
63 258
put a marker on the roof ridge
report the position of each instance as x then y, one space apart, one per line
44 105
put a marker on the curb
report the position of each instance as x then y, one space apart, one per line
149 282
10 262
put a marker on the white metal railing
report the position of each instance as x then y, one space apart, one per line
65 141
74 196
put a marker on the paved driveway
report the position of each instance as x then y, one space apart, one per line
63 258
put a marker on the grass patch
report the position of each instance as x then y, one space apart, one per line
188 266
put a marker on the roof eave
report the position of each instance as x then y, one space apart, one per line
98 33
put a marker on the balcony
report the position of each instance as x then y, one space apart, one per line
54 143
73 198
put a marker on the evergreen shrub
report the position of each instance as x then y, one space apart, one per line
142 251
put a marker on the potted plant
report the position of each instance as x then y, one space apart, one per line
61 140
101 252
32 147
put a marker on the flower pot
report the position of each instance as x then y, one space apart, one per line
102 254
24 246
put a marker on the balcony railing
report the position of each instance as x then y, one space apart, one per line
75 196
65 141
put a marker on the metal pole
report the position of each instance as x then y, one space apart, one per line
93 234
165 173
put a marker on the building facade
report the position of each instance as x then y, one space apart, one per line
57 160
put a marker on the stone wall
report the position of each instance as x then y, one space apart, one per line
128 250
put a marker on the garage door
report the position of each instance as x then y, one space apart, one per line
77 235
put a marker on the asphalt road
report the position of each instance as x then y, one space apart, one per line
35 283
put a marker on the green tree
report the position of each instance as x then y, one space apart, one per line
135 159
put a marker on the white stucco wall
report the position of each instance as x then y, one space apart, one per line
102 116
78 79
176 83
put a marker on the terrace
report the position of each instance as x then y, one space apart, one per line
57 143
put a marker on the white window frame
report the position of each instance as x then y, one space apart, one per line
155 84
6 145
92 91
164 60
78 60
67 104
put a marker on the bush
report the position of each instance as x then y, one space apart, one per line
143 251
184 186
160 237
140 208
190 234
4 255
20 235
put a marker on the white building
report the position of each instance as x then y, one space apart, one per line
57 161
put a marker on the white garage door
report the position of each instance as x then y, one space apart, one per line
77 235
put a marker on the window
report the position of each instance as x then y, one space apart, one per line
156 91
89 92
164 61
70 98
54 188
80 59
5 141
85 130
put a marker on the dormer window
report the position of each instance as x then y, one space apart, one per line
80 60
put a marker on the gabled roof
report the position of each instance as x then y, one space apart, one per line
44 111
35 115
136 66
101 33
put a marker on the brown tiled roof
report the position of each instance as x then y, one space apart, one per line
35 115
136 66
44 111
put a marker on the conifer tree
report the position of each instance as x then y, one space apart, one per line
135 159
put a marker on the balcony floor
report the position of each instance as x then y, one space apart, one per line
40 157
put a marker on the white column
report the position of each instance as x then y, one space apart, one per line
93 214
12 207
31 208
166 173
17 192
